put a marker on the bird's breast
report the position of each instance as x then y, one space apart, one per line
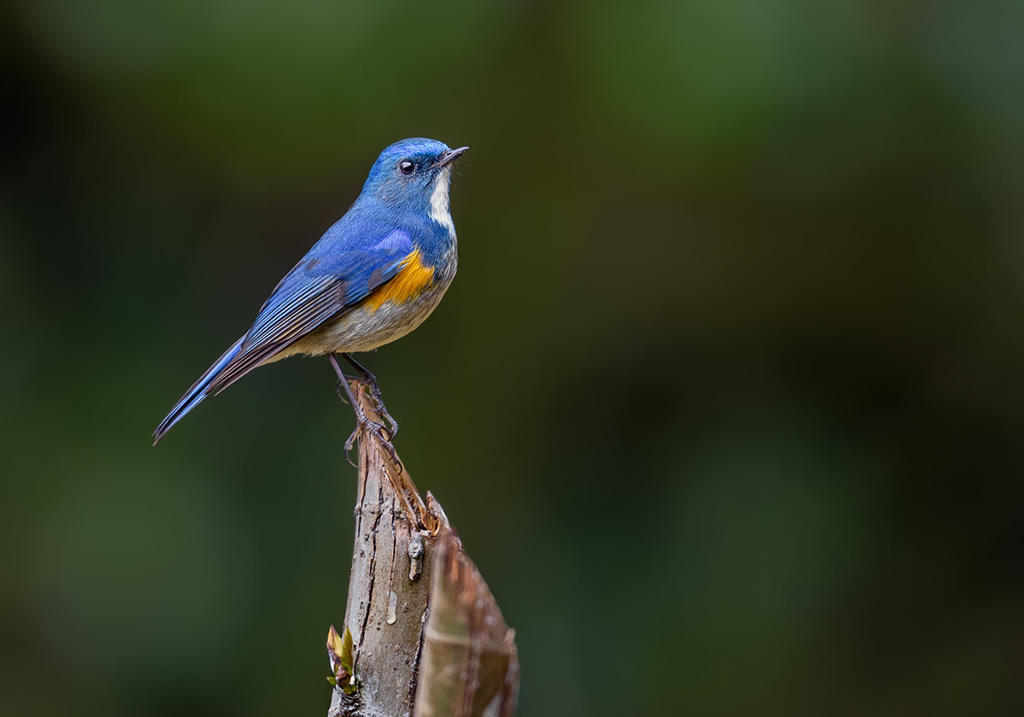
413 278
390 312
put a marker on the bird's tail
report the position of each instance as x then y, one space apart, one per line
197 393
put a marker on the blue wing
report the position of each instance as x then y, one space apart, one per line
329 280
341 269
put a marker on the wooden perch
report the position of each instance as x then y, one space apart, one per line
423 635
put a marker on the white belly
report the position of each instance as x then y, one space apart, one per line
364 328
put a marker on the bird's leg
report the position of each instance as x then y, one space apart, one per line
343 385
371 382
362 420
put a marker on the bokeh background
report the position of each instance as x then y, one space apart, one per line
726 400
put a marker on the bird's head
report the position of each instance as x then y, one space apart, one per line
413 172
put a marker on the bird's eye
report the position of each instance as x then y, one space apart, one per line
406 166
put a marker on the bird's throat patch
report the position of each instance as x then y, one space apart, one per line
411 280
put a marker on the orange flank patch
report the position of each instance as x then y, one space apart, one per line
411 279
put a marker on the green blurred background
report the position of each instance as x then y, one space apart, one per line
726 400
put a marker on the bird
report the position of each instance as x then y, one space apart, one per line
374 276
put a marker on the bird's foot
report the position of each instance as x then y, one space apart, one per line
370 382
372 427
375 428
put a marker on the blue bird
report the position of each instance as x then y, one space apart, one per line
373 277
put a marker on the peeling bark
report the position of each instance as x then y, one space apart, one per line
470 665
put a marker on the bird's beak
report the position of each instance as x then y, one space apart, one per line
449 156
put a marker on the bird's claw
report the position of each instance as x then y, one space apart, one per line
339 390
377 429
390 419
378 402
349 445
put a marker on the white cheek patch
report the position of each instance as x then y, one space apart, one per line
439 200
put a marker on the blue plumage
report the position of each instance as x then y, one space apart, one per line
372 277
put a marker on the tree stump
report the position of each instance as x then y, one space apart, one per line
423 634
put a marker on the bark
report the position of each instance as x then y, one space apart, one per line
469 666
422 630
